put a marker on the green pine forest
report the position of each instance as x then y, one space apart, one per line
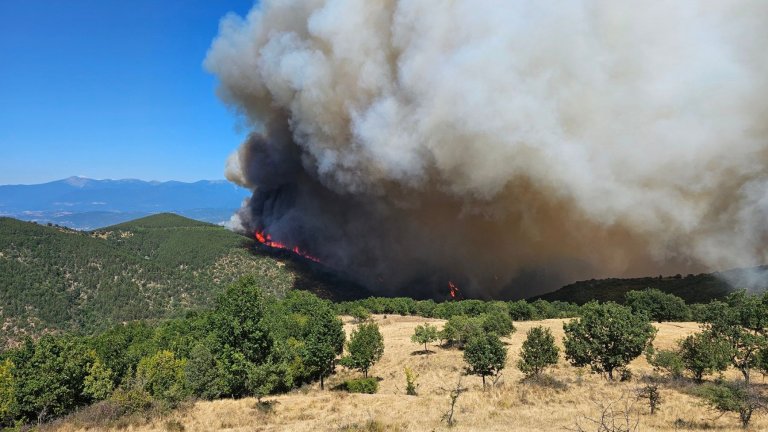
57 279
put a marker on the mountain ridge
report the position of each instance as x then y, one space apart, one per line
83 203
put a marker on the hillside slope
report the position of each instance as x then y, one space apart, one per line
700 288
511 405
59 279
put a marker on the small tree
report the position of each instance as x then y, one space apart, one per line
606 337
205 374
539 351
365 347
324 342
734 397
485 356
741 322
424 334
703 353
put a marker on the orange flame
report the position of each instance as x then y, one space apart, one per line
454 290
266 240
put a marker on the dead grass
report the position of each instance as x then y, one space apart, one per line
511 405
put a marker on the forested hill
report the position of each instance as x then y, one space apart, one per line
54 278
699 288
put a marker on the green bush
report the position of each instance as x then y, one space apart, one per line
669 361
459 329
132 399
410 381
606 337
497 323
539 351
362 385
704 353
162 375
360 314
735 397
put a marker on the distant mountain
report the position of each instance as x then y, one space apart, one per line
84 203
54 279
698 288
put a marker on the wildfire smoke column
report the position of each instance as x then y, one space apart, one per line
511 146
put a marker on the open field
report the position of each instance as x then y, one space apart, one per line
509 406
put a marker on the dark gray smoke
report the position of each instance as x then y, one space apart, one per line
509 146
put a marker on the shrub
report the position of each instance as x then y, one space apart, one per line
606 337
703 353
131 399
267 378
669 361
521 310
360 314
410 381
538 352
734 397
362 385
652 394
497 323
485 355
459 329
163 377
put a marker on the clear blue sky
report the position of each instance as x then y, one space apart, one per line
111 89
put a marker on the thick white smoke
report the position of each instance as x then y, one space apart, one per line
511 145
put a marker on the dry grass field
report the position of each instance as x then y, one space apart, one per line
509 406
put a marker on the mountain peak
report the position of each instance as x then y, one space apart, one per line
76 181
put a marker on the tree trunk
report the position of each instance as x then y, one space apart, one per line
745 415
483 381
322 386
745 372
610 374
425 348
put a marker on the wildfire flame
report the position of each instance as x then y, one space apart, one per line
454 290
266 240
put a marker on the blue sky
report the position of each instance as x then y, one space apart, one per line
112 89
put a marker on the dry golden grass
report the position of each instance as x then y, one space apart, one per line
509 406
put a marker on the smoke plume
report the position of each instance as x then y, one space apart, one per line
508 146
